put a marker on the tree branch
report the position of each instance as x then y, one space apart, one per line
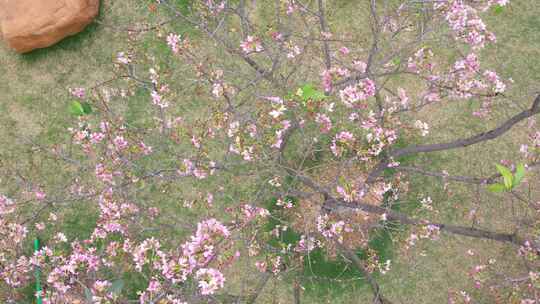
262 283
375 288
456 178
324 28
484 136
460 143
333 204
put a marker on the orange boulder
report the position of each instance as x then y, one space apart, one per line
31 24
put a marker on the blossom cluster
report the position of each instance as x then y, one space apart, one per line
353 94
251 45
465 22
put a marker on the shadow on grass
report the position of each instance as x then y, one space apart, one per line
321 275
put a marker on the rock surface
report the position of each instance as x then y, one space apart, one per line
31 24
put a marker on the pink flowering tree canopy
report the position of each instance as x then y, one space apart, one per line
268 134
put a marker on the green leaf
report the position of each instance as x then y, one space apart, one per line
507 175
498 9
116 287
87 109
518 176
497 188
308 92
396 61
76 108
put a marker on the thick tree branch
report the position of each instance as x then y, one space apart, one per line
333 204
484 136
460 143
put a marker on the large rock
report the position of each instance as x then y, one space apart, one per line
31 24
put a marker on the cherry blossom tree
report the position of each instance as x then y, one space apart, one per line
282 125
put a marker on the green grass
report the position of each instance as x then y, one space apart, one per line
34 101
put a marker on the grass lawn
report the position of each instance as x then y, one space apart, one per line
34 101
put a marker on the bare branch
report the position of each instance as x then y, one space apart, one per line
253 297
377 296
460 143
333 204
456 178
484 136
324 28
